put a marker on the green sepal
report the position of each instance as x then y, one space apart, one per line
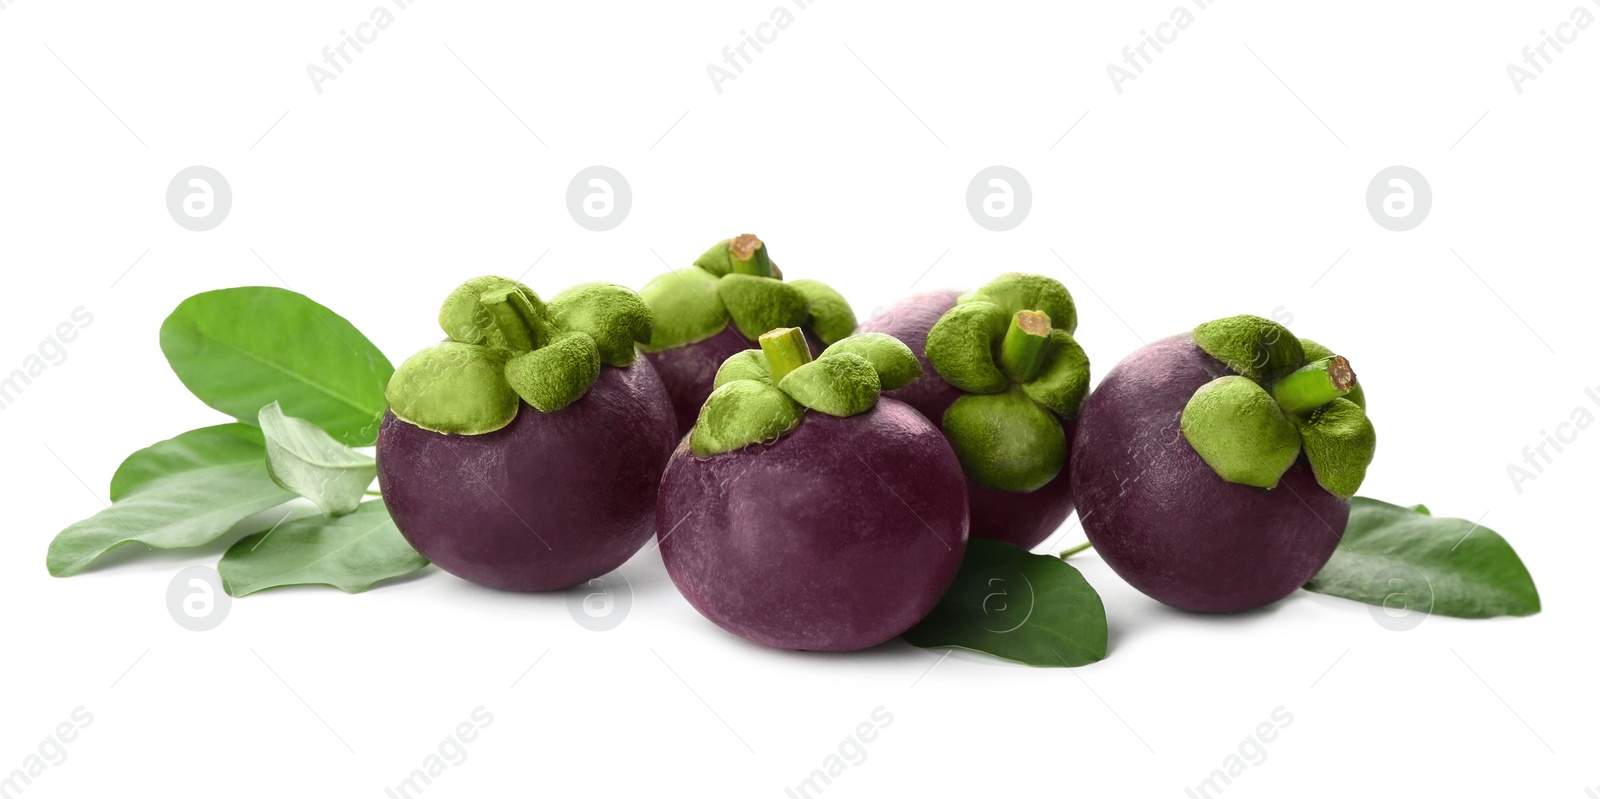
742 413
615 317
1240 432
1339 442
686 307
831 316
453 388
717 260
759 304
1316 352
466 317
895 363
743 365
1019 291
1257 348
556 375
841 384
961 346
1064 382
1006 441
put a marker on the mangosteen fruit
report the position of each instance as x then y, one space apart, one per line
1003 379
524 451
1213 470
804 510
733 293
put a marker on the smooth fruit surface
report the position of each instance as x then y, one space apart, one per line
1164 520
547 502
1025 520
838 536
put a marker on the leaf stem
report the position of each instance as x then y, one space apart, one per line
1075 550
786 351
1314 385
1026 344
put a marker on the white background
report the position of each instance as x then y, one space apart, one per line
1229 178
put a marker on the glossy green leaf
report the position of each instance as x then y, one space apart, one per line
1459 568
240 349
196 449
188 508
303 459
349 553
1027 608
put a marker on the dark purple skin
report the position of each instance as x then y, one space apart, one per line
1025 520
547 502
839 536
689 370
1164 520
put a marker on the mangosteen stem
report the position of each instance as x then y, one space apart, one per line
786 351
1314 385
749 256
515 317
1027 342
1075 550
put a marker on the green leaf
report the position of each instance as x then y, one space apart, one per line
187 508
240 349
349 553
303 459
1031 609
207 446
1469 570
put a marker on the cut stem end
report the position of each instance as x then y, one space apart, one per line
1314 385
749 256
786 351
1027 343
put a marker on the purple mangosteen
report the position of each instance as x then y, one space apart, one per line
1004 360
524 452
707 313
1213 470
803 511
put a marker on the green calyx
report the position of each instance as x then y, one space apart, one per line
1290 397
759 395
1009 347
736 282
506 345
